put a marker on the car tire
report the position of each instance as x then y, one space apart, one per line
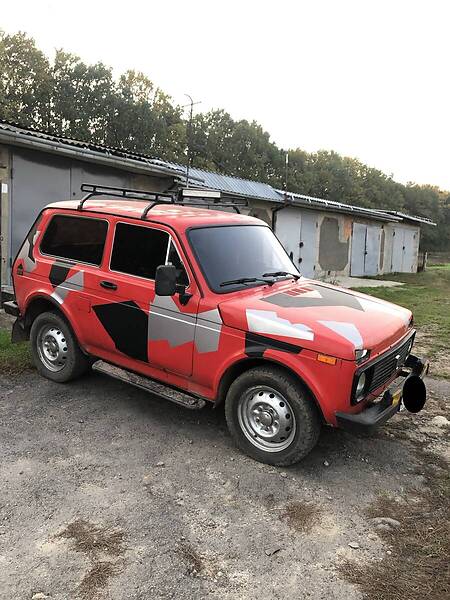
55 350
272 416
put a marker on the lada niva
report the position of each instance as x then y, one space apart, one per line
202 305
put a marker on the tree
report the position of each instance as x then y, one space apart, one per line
74 99
144 118
82 98
25 81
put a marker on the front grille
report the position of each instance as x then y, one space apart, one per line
387 366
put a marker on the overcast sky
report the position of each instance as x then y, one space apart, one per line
367 78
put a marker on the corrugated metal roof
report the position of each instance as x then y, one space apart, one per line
133 161
413 218
331 205
235 185
27 136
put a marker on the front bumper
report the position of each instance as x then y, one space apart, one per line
376 414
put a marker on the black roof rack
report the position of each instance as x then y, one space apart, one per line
204 198
94 190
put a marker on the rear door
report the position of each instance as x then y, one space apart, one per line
138 325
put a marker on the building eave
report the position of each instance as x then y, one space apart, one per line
412 218
142 165
339 207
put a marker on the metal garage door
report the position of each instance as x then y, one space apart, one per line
308 250
33 185
366 244
410 251
40 179
404 250
398 239
287 229
297 231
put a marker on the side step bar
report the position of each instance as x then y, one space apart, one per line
149 385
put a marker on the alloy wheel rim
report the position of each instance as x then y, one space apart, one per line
52 348
267 419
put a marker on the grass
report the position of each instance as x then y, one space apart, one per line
14 358
427 295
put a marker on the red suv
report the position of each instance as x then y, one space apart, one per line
200 305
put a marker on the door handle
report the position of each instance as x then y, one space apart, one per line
108 285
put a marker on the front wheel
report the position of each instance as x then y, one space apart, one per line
55 350
272 416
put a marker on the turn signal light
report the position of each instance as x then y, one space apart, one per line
329 360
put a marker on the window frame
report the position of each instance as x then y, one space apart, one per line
73 260
170 239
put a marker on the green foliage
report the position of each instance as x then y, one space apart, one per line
427 295
14 358
25 81
71 98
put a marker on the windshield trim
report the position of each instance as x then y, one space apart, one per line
245 286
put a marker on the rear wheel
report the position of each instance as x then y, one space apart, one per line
55 350
272 416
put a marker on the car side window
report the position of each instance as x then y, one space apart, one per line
75 238
138 250
174 258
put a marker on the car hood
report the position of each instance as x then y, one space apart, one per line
317 316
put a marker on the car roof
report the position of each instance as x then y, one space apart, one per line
177 216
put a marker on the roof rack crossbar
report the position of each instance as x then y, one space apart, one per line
154 203
94 190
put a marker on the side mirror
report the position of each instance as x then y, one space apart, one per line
166 280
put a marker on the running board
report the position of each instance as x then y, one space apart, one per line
149 385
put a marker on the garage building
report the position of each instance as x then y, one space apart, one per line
324 238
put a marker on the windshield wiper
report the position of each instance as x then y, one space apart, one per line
246 280
281 274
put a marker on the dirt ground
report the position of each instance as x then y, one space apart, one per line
107 492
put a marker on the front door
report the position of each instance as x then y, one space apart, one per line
152 330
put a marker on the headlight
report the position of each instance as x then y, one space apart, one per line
361 354
360 386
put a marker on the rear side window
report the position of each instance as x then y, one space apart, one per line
75 238
138 250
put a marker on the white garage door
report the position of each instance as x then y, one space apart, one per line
366 244
297 231
404 250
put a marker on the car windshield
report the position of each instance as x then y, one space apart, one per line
237 252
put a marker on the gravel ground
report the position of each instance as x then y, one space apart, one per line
108 492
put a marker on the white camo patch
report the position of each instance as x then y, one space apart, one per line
349 331
268 322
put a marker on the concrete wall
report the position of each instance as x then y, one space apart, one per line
335 232
319 241
330 249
